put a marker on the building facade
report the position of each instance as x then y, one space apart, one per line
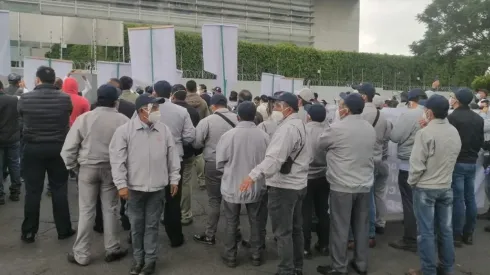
323 24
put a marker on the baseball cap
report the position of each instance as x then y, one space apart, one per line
437 103
354 102
317 113
13 77
107 91
289 98
275 95
413 94
464 96
218 99
366 89
378 101
146 99
217 89
306 94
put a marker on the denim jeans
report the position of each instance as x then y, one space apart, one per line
433 212
464 206
372 218
10 158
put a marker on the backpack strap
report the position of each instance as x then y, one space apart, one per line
225 119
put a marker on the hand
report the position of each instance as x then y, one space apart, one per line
423 123
124 193
22 84
247 182
173 189
485 109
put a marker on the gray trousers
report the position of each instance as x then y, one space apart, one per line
189 178
213 188
285 209
263 214
144 211
93 181
349 209
381 174
232 214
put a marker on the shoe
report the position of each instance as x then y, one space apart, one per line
458 241
351 245
467 239
323 250
246 244
99 229
136 268
328 270
354 266
307 255
71 259
115 256
202 187
14 197
402 245
187 222
372 242
148 269
125 223
28 238
256 260
487 228
205 240
380 230
484 216
177 244
68 235
229 263
2 200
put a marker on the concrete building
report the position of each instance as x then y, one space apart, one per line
323 24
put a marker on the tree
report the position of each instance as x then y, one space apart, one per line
481 82
455 28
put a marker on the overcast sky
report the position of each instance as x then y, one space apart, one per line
389 26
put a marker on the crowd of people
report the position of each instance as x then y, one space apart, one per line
289 158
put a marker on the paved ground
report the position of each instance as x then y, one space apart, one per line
48 255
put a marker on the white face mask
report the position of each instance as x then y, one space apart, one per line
154 117
451 102
277 116
424 117
478 96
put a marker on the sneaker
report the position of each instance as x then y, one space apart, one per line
484 216
231 263
256 260
354 267
71 259
351 245
115 256
67 235
246 244
204 240
467 239
14 197
323 250
403 245
458 241
136 268
307 255
28 238
2 200
380 230
487 228
148 269
328 270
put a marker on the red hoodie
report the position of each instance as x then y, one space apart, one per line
80 103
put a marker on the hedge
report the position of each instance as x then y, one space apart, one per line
320 67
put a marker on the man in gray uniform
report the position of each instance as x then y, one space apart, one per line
403 134
86 151
239 151
350 150
208 132
285 169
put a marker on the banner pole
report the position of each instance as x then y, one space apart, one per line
273 78
151 55
49 62
117 73
223 60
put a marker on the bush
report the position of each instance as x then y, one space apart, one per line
481 82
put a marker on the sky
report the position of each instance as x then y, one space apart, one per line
389 26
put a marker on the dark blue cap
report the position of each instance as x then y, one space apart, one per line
464 96
366 89
218 99
275 95
413 94
354 102
146 99
289 98
108 91
437 103
317 112
247 110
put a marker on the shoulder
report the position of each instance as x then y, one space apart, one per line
122 130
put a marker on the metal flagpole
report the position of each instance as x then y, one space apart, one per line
117 70
151 56
223 60
61 39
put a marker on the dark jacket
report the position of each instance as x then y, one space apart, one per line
14 90
46 114
125 107
189 151
470 127
9 119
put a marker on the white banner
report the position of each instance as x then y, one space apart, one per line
152 52
393 198
31 64
291 85
5 57
108 70
270 83
220 53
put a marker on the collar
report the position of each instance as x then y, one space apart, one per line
351 117
127 92
369 105
105 109
315 123
246 124
462 107
179 102
140 125
45 86
438 121
222 110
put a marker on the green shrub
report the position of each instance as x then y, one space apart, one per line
481 82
